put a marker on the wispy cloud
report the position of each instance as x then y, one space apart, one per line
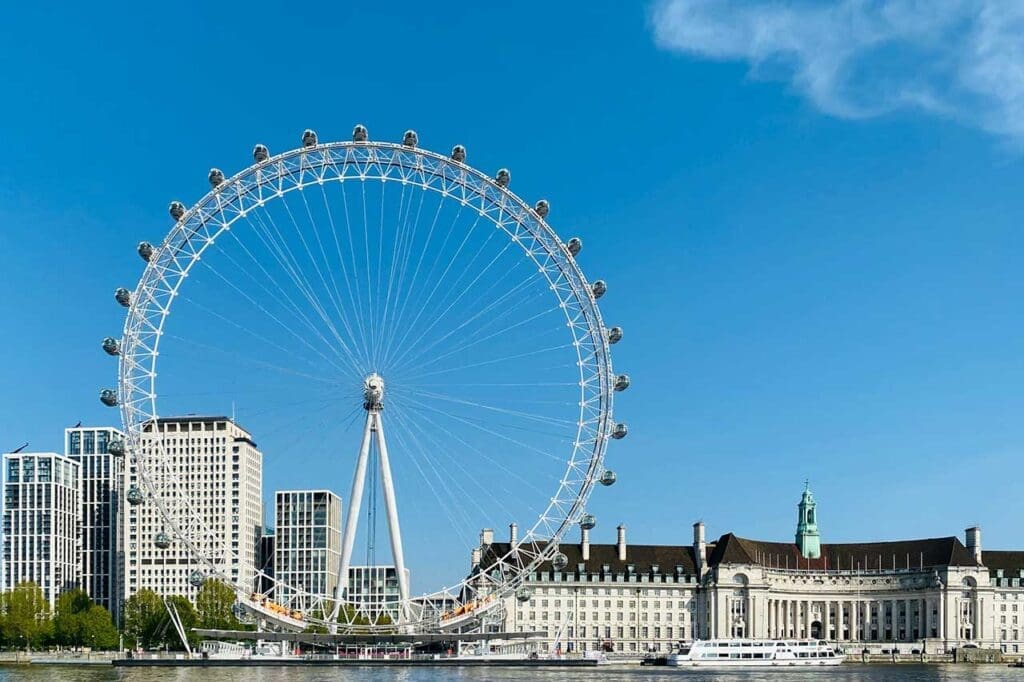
960 59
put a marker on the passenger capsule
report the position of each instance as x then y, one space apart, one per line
622 382
145 250
116 447
459 153
134 496
111 346
614 335
503 177
360 134
523 594
608 477
260 153
162 540
559 561
309 138
216 177
108 397
123 296
575 245
542 208
176 209
599 289
619 432
588 521
410 139
196 578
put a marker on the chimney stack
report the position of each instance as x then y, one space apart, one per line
621 543
585 543
974 542
486 537
700 549
513 533
474 559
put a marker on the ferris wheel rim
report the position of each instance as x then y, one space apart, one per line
134 375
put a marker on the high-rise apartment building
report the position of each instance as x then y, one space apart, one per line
307 548
102 495
216 466
41 517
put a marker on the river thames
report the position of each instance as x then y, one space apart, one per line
847 673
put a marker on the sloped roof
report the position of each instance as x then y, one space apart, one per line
948 551
1006 560
642 557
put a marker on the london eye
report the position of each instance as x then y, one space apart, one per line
397 326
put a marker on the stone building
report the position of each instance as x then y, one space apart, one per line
929 594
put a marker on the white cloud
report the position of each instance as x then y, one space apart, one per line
960 59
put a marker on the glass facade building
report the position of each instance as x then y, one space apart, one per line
102 492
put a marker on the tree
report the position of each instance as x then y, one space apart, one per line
27 615
67 619
189 620
215 603
144 613
148 623
97 628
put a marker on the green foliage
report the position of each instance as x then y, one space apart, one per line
97 628
148 624
26 616
25 620
214 604
189 620
67 619
143 615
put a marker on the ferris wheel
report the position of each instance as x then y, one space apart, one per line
389 320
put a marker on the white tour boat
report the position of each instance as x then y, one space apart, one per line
751 653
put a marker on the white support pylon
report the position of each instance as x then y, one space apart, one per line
373 394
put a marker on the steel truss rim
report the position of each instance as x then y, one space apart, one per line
154 295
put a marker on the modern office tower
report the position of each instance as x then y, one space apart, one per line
265 581
215 463
42 510
102 492
374 591
307 549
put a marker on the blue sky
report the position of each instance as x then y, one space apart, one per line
813 245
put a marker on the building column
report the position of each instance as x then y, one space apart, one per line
807 619
942 615
854 619
922 618
867 620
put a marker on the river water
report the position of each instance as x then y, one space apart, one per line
846 673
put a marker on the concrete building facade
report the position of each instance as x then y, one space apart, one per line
307 545
373 590
219 465
41 522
